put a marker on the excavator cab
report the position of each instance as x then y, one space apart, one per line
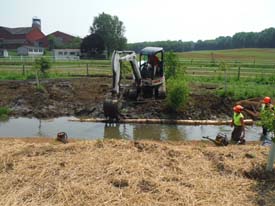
151 62
152 72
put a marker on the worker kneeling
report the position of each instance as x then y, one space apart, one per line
238 133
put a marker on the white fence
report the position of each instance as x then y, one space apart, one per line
32 58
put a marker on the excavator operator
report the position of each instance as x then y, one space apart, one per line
155 64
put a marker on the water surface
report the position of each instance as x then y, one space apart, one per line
32 127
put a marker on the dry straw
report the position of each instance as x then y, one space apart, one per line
120 172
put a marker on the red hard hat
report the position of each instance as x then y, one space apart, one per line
267 100
238 108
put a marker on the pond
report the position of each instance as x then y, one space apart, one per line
32 127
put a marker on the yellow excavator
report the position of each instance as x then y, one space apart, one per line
148 79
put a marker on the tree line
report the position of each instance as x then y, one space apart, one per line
107 34
263 39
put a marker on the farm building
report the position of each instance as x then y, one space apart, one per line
66 54
4 53
58 38
12 38
30 51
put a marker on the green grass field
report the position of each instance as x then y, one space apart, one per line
259 56
249 72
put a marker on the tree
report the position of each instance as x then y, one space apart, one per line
57 43
111 30
92 45
177 85
41 65
74 44
267 120
172 65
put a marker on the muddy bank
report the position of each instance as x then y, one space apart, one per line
85 96
118 172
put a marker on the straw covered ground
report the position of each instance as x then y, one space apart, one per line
123 172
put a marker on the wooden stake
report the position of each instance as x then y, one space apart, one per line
271 157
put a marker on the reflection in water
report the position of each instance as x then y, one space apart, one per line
31 127
116 131
158 132
174 134
146 131
111 131
40 133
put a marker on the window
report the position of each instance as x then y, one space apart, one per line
60 53
72 53
65 53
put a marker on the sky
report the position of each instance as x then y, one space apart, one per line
145 20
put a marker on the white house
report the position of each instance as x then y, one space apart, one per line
30 51
66 54
4 53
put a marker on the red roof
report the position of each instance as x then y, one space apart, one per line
34 35
16 37
65 38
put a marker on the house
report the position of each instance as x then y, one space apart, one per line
66 54
58 38
4 53
30 51
12 38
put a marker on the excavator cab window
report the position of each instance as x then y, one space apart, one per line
151 64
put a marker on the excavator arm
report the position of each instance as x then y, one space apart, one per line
117 58
110 106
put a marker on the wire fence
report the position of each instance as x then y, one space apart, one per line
197 68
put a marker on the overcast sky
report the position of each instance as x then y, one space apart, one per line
145 20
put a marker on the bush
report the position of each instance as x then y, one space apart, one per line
177 93
4 113
42 64
172 65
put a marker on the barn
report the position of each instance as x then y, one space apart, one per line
12 38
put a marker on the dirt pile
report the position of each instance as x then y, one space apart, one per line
85 96
118 172
59 97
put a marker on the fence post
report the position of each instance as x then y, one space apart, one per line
23 70
87 69
239 72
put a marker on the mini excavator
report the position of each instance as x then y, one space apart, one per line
148 79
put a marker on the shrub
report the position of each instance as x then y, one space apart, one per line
172 65
4 113
42 64
177 93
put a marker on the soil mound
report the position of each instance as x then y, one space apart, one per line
85 96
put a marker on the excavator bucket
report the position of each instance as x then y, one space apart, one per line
111 110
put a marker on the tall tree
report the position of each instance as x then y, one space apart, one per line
111 30
92 45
